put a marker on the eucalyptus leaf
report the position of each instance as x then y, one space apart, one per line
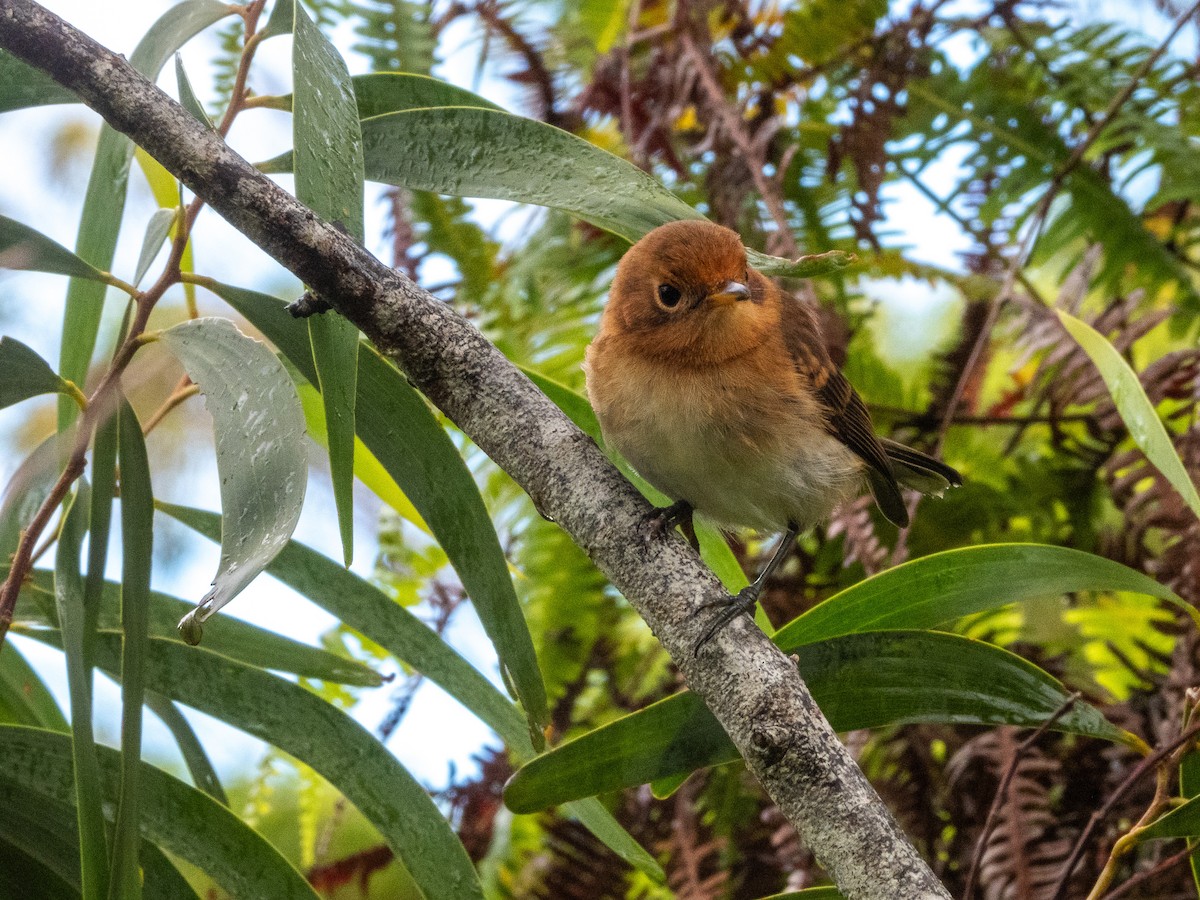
261 456
24 697
25 249
467 151
157 230
859 681
424 462
1145 427
317 733
329 180
226 635
176 817
365 608
22 86
1181 822
24 374
187 96
942 587
104 202
137 550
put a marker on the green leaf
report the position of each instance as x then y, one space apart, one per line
1181 822
366 609
468 151
45 830
423 460
200 767
157 230
26 490
384 92
1145 427
859 681
22 86
137 547
24 374
329 180
178 818
367 468
24 697
225 635
347 755
68 593
23 249
261 456
104 202
942 587
1189 788
187 97
817 893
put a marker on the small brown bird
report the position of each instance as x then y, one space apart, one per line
717 388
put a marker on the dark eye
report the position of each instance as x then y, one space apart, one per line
668 295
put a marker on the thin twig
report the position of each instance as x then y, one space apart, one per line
184 389
99 404
784 241
1141 877
1002 790
1135 775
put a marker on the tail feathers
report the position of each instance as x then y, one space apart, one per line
920 472
887 496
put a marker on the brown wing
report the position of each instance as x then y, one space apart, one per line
849 420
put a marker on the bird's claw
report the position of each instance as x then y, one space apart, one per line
663 520
744 602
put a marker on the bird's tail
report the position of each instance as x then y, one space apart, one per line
920 472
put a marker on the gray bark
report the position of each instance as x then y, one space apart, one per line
752 688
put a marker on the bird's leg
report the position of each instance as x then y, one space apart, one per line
747 597
677 515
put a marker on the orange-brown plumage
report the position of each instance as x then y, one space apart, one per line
717 388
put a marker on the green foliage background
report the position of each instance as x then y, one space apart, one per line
809 127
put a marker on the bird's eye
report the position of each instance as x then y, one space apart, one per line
668 295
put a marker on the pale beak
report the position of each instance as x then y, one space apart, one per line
730 293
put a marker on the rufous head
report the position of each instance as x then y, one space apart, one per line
685 291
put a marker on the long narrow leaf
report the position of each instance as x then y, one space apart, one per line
137 542
68 592
942 587
329 180
104 202
324 737
1145 427
859 681
23 248
45 829
469 151
24 697
423 460
365 608
28 487
24 374
178 818
200 767
261 456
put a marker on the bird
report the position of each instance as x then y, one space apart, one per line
716 386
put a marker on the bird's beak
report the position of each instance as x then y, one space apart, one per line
730 293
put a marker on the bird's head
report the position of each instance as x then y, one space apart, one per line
685 291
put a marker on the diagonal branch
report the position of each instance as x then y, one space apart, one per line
751 687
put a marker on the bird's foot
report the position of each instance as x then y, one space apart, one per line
731 607
678 515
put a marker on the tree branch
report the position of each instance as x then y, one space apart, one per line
751 687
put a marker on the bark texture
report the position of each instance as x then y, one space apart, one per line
752 688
